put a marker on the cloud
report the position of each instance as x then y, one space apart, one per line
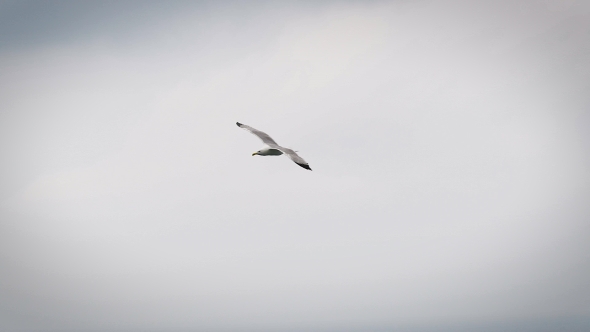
449 158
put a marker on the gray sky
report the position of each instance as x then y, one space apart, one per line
449 146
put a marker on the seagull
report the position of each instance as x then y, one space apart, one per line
273 148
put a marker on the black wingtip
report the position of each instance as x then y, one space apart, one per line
239 124
306 166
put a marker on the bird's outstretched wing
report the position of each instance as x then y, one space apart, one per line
295 157
263 136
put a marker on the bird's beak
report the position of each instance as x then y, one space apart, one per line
255 153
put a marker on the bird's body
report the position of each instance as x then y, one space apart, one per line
268 152
273 148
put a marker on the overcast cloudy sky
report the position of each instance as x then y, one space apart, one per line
449 143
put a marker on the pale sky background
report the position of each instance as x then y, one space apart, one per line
449 143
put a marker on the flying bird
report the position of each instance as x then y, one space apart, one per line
273 148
